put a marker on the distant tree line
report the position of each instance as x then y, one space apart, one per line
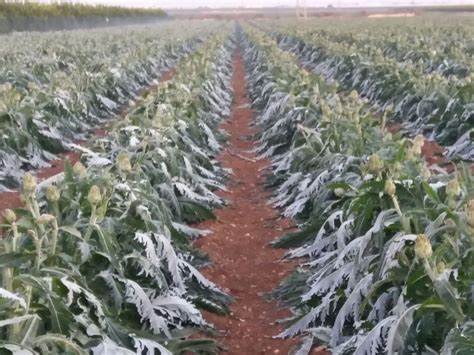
29 16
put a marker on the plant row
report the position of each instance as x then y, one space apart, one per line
99 260
56 87
30 16
438 45
385 242
426 103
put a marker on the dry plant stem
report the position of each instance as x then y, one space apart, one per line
429 270
241 156
404 220
7 273
57 213
7 279
54 239
39 245
92 222
90 228
15 236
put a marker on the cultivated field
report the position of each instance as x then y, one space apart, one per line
252 187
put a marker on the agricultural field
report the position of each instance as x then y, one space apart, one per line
385 236
240 187
421 74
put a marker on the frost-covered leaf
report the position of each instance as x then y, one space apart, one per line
11 296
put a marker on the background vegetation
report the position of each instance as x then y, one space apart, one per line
42 17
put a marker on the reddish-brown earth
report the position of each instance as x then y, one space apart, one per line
57 166
392 127
9 200
433 154
167 75
243 263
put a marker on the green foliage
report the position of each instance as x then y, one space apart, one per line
407 70
101 261
57 87
16 16
387 243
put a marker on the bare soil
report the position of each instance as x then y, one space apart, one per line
243 262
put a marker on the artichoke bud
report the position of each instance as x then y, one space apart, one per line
354 95
9 216
45 219
339 192
419 140
440 267
423 248
452 203
425 173
469 211
390 188
52 193
29 183
123 163
453 189
325 110
375 164
94 196
415 150
79 169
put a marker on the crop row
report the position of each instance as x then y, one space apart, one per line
385 240
99 260
422 100
440 45
56 87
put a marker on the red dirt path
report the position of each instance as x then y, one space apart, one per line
243 263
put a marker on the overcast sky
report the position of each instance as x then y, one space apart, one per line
262 3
